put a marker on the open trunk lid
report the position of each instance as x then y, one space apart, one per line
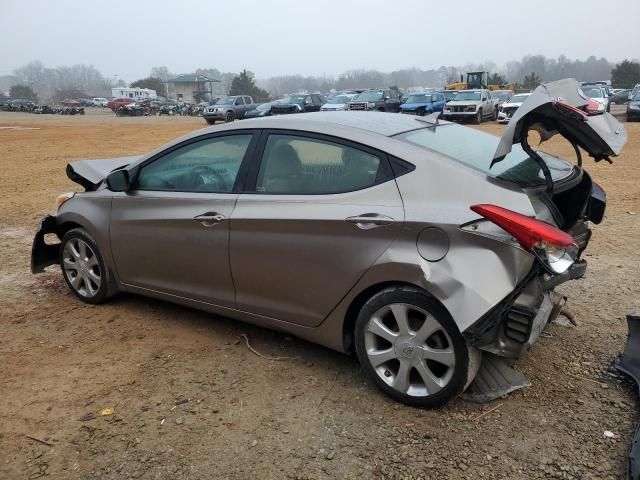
560 107
90 173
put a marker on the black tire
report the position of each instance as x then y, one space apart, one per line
210 122
478 118
106 288
229 117
462 371
495 115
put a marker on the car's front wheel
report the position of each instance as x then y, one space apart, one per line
83 267
230 117
410 347
478 118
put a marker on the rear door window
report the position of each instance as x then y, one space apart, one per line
294 164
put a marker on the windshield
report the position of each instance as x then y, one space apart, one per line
341 99
226 101
636 97
518 98
370 96
299 99
420 98
264 106
476 148
593 92
468 96
450 94
502 95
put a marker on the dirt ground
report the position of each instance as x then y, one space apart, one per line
191 400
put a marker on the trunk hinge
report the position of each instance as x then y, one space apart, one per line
524 142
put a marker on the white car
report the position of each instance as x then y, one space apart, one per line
597 93
99 102
338 103
507 109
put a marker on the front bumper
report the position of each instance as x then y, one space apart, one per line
214 115
459 115
42 253
633 114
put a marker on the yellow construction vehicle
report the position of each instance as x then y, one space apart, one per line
477 80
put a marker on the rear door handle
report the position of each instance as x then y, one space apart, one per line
209 219
367 221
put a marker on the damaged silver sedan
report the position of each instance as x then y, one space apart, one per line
418 244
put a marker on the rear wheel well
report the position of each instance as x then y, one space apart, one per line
358 302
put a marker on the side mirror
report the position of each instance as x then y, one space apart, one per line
118 181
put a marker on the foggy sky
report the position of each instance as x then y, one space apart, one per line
277 37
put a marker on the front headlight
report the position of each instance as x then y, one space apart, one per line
63 198
471 108
371 104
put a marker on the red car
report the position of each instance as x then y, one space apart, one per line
118 102
71 103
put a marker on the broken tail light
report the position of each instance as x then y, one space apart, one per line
554 248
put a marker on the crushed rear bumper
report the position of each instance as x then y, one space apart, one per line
42 253
515 324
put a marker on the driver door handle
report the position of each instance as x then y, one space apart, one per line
209 219
370 220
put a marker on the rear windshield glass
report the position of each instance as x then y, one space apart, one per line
476 149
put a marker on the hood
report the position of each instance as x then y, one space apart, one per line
463 102
334 105
411 106
557 107
511 104
90 173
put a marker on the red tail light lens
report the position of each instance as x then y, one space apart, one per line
594 107
528 231
554 248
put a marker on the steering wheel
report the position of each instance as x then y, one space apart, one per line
199 176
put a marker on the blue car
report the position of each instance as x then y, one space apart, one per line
423 103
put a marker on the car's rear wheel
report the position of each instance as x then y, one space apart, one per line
230 117
410 347
83 267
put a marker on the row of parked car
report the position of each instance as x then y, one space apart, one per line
474 105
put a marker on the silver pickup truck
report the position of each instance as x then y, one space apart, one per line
475 105
229 108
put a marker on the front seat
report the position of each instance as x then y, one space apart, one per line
283 170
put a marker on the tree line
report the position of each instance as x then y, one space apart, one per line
86 80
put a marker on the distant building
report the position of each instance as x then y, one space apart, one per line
190 88
135 93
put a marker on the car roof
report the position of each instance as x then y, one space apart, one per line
347 123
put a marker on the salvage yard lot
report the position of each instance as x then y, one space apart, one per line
192 401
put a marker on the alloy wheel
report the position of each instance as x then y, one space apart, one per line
81 266
409 349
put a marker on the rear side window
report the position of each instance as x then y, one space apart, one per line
476 149
302 165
